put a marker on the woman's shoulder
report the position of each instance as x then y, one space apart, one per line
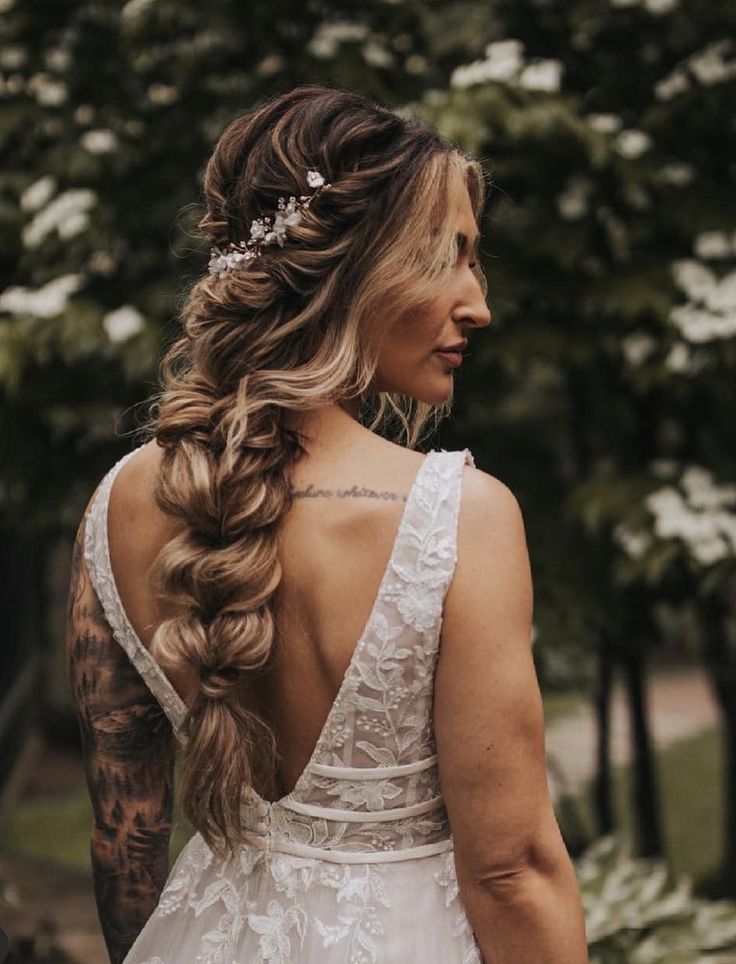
491 533
485 496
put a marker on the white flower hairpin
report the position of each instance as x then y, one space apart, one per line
263 231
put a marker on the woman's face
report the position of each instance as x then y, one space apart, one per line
414 358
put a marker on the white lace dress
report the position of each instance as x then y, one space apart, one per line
356 863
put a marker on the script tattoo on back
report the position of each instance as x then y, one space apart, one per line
354 492
128 749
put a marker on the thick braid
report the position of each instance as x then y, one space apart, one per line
295 329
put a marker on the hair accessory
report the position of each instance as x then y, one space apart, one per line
263 232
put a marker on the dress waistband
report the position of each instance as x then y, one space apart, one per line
274 844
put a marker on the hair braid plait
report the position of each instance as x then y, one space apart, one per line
295 328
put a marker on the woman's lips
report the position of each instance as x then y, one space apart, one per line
453 358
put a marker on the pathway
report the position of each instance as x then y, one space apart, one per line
680 705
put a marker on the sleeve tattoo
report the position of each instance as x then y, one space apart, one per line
128 749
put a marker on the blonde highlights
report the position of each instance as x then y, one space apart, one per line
297 328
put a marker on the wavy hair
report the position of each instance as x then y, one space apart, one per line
298 328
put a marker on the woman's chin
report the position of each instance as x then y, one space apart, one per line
435 389
434 392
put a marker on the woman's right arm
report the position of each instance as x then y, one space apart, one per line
128 749
515 876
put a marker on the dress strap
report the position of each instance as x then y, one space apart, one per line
425 560
97 558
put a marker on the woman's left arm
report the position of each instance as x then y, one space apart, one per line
128 747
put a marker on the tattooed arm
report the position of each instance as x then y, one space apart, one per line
128 747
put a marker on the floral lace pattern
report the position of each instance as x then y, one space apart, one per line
325 858
446 877
283 925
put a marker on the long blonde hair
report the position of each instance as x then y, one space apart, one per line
298 328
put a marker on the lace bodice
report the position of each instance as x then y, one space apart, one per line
371 786
370 793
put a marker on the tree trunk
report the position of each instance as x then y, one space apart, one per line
645 789
720 663
602 796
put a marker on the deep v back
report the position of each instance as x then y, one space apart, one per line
378 728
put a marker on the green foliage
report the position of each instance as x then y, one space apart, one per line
637 913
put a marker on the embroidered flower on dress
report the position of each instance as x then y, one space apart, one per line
275 926
371 794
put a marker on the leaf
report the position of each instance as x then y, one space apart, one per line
378 754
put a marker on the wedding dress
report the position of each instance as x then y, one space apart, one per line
356 863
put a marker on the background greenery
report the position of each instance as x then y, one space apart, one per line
602 394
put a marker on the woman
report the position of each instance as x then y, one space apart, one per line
220 585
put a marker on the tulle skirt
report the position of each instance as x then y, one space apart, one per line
268 906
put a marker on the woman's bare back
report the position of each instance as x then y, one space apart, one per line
349 494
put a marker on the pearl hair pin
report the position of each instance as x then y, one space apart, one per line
264 231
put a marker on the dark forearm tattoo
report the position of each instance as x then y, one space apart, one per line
128 747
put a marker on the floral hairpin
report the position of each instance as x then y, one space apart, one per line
263 231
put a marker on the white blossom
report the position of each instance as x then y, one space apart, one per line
722 296
84 114
542 75
416 64
123 323
678 173
12 56
702 492
715 244
711 311
698 325
48 93
693 277
604 123
100 141
632 142
708 551
45 302
505 55
572 203
101 262
634 544
330 34
57 59
676 83
709 65
637 347
678 359
38 193
270 64
376 54
162 94
67 214
658 7
702 516
134 8
504 58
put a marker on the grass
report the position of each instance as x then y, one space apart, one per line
559 705
689 772
58 828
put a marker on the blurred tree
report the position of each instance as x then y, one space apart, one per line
610 132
